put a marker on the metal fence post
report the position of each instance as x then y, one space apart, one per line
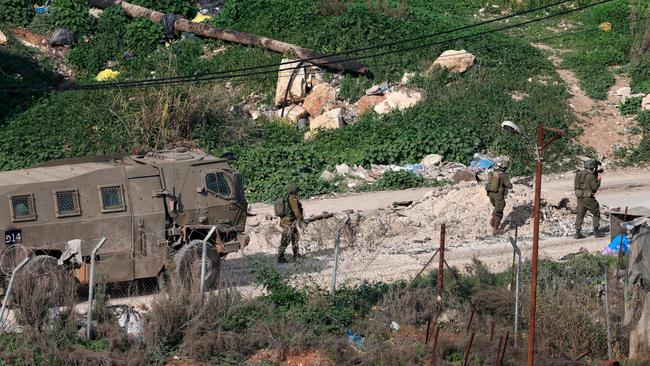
204 255
441 266
609 329
516 251
91 286
337 244
10 287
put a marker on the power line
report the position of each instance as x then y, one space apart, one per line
217 76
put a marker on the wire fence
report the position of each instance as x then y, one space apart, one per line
335 255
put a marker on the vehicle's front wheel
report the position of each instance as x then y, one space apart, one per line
188 266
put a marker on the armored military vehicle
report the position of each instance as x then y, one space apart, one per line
151 208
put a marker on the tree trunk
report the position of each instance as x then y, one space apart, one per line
185 25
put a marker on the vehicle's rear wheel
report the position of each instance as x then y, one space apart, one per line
42 286
188 266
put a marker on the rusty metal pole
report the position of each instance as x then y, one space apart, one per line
492 331
533 271
503 350
496 361
620 250
441 263
471 319
468 349
426 337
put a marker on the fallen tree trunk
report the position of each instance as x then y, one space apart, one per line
185 25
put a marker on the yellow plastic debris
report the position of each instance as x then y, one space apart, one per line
605 27
200 17
107 74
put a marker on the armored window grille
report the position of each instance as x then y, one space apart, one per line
218 184
67 203
112 198
22 208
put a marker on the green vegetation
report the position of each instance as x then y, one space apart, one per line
18 12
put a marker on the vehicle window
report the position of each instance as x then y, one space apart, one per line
218 183
22 207
112 199
67 203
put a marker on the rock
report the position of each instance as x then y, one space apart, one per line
342 169
3 38
320 96
400 100
309 135
327 176
454 61
328 120
95 12
406 78
645 103
293 113
297 91
377 89
635 95
303 123
624 91
61 37
431 160
368 101
464 176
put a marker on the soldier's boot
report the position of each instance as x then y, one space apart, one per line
296 254
599 233
579 234
282 259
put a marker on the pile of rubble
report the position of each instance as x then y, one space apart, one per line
432 167
304 98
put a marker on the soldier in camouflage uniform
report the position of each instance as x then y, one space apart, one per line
289 224
586 184
497 188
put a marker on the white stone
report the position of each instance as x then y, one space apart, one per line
624 91
298 86
329 120
454 61
431 160
327 176
3 38
406 78
293 113
400 100
645 103
95 12
342 169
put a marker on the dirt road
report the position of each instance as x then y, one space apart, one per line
380 255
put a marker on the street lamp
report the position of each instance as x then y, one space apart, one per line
512 128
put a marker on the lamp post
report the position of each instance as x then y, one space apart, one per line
511 127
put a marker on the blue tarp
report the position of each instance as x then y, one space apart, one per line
613 247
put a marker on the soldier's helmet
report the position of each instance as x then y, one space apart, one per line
293 188
591 164
504 164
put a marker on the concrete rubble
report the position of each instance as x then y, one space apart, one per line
368 102
400 100
322 97
292 113
454 61
296 93
329 120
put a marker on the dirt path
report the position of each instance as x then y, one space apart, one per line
604 127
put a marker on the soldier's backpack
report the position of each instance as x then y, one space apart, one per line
579 184
493 181
281 207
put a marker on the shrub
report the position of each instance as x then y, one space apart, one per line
18 12
398 180
180 7
641 77
631 106
142 36
73 15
